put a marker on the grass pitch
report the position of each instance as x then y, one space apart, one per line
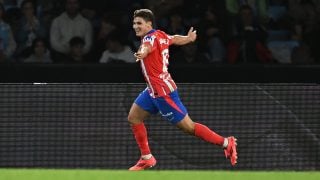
42 174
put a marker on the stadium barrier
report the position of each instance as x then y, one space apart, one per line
84 125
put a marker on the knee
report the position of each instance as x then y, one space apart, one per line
188 128
134 119
131 118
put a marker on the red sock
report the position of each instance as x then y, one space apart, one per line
208 135
140 134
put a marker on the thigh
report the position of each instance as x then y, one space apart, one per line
171 108
137 115
146 102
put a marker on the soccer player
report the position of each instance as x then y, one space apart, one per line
161 94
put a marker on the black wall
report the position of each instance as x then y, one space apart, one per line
191 73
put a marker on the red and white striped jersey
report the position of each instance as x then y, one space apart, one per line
155 65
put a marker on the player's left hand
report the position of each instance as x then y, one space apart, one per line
192 34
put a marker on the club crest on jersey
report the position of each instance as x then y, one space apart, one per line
149 39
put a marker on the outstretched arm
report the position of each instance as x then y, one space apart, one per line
182 40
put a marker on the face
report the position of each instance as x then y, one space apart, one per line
40 48
246 15
176 19
77 50
107 27
111 45
141 27
72 7
28 9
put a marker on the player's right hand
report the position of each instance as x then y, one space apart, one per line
138 56
192 34
142 52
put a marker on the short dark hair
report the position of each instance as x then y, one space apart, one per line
145 14
27 1
245 7
35 41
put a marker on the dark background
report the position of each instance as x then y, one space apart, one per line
75 116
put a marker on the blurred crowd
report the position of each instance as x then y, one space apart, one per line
95 31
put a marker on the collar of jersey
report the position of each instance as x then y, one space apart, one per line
151 31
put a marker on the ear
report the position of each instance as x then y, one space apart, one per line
149 23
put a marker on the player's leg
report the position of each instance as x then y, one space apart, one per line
203 132
136 117
141 110
175 112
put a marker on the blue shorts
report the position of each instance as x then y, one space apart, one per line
170 107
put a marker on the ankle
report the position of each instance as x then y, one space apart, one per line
146 157
225 143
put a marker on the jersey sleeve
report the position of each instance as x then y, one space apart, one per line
170 37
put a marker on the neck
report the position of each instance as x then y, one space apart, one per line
150 31
39 55
72 16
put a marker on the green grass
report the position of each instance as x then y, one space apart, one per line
42 174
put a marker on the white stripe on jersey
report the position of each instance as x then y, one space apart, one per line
146 76
169 85
164 92
165 62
